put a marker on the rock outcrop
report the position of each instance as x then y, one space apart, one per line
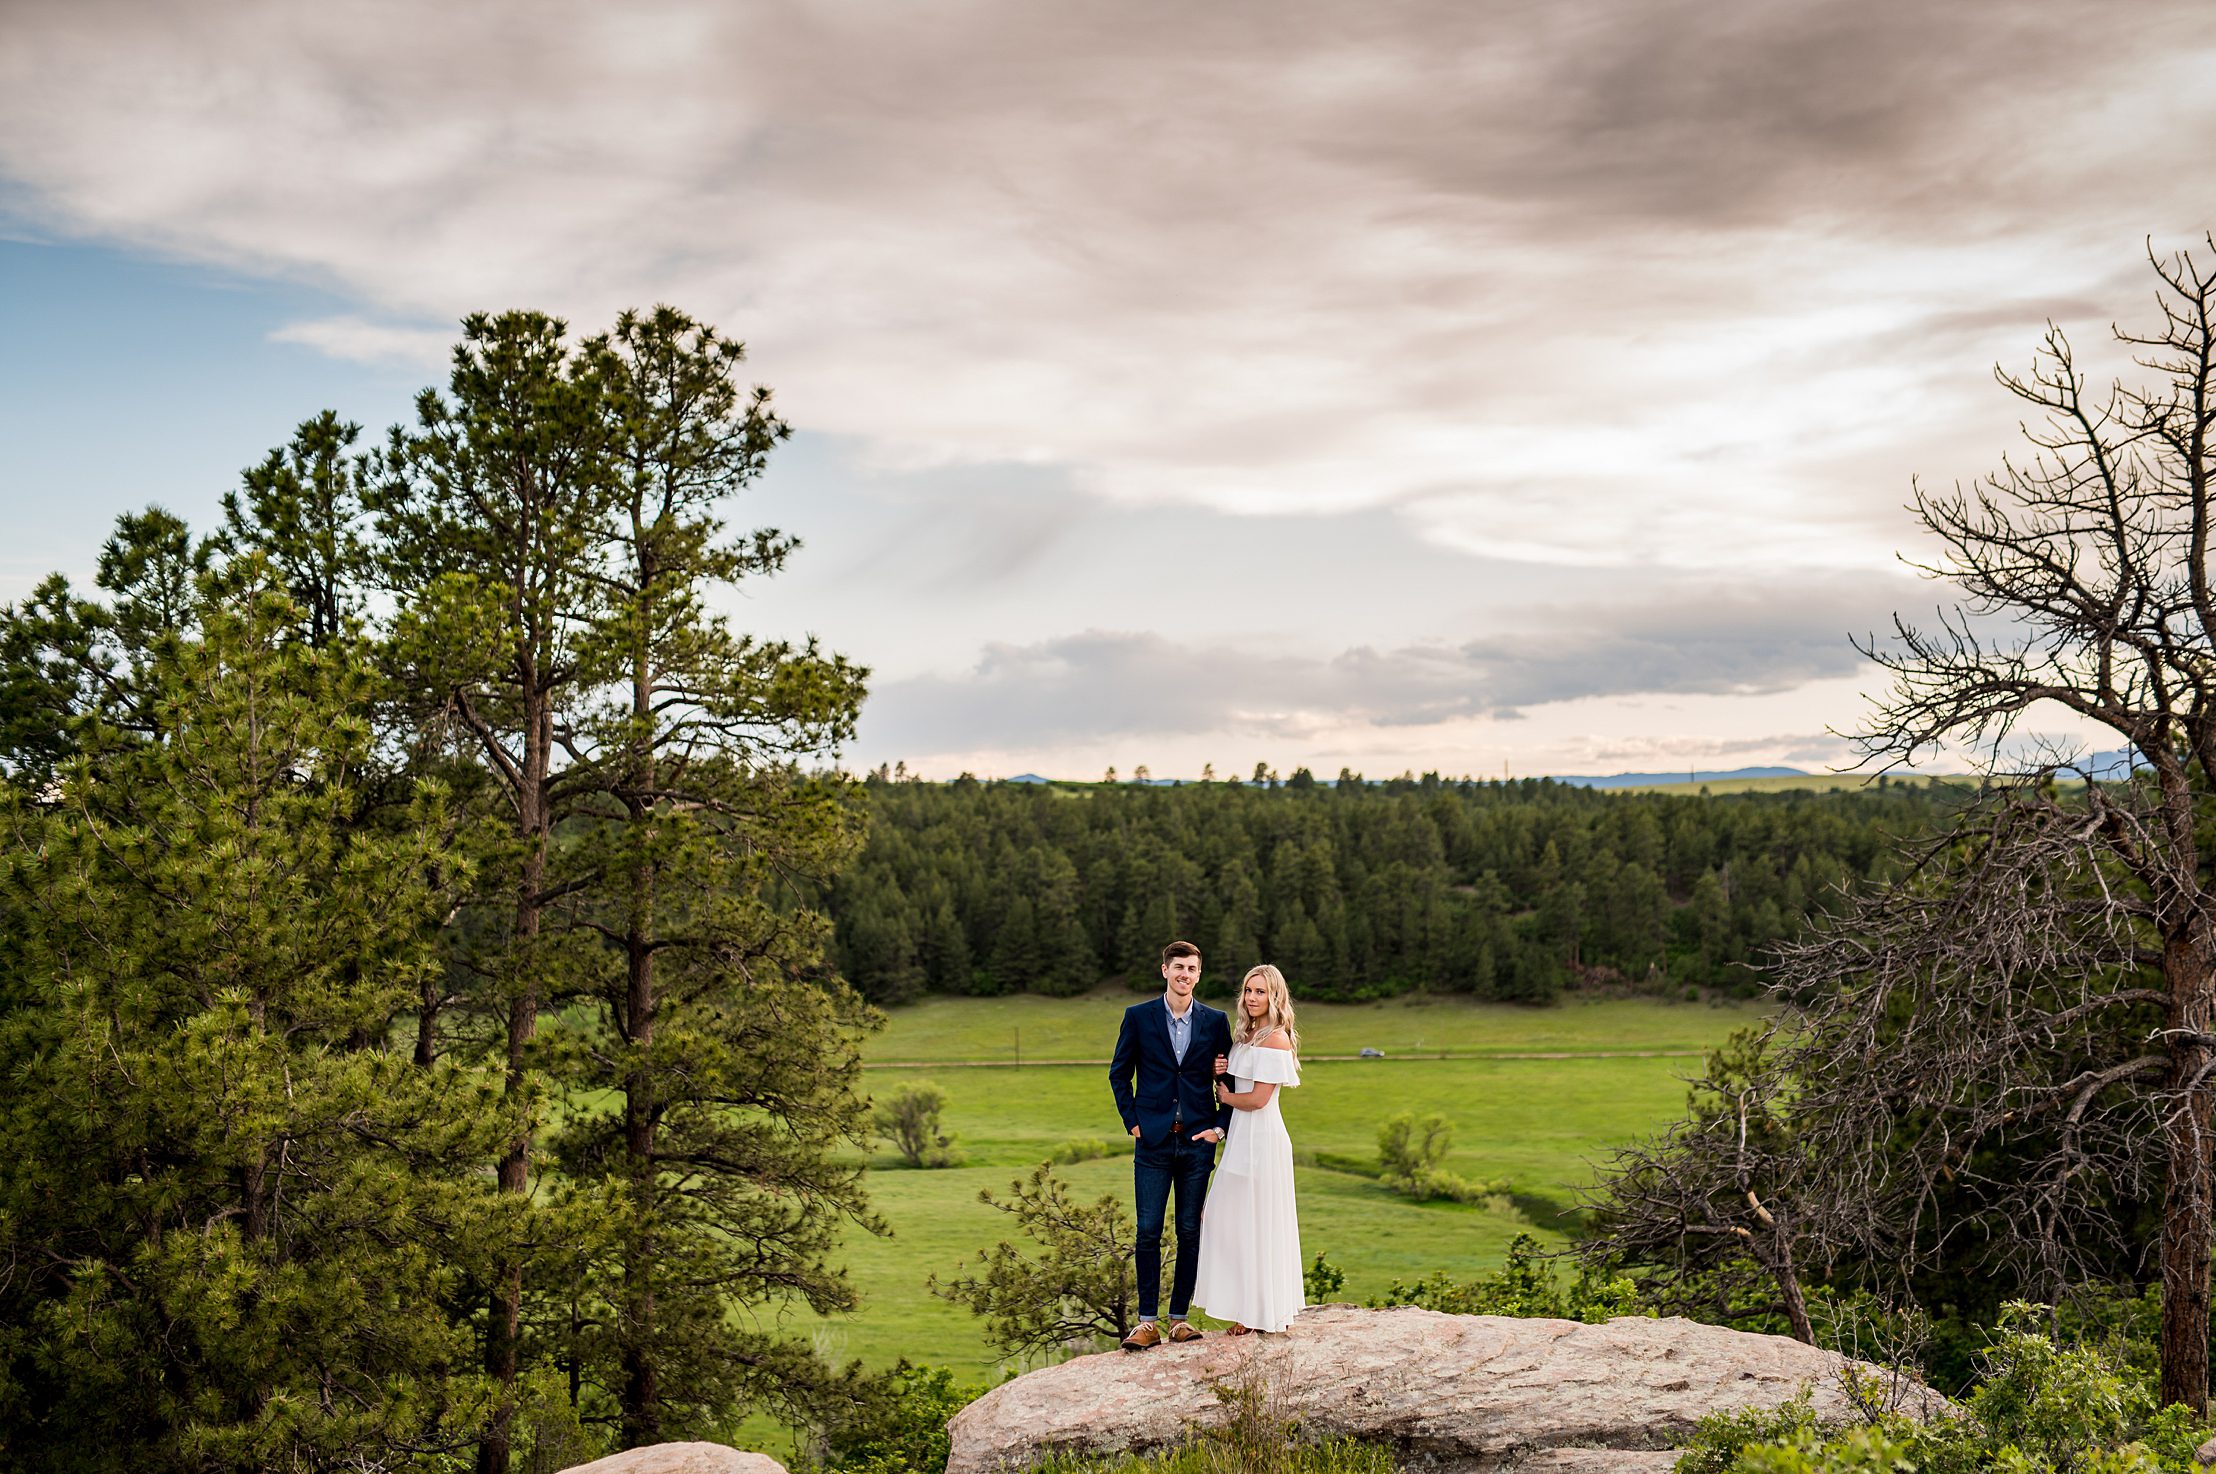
1457 1392
681 1458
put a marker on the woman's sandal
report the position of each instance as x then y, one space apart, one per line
1238 1330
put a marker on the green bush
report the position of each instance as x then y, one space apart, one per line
896 1423
1721 1436
909 1119
1445 1187
1408 1155
2040 1408
1524 1285
1080 1149
1322 1281
1406 1146
2053 1402
1862 1451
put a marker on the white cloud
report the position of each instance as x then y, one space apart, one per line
1629 292
357 341
1533 282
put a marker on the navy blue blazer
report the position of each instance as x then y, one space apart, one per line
1165 1089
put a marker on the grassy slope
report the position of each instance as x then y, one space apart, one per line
1538 1122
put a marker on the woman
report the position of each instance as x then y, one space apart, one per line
1249 1234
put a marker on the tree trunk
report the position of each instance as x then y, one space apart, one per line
642 1412
642 1407
504 1325
1789 1289
2186 1198
427 1024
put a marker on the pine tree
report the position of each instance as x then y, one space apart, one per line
303 509
66 660
731 1050
492 515
241 1240
1017 957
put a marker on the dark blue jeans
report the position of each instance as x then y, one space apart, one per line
1183 1164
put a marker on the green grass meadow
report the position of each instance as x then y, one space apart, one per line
1612 1072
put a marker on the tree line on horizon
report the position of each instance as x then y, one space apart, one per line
1510 891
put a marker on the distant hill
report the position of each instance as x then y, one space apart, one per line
2105 765
1612 780
1081 783
1682 775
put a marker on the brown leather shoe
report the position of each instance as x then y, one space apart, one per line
1183 1331
1146 1335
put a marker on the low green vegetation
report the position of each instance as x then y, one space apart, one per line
2043 1405
1526 1284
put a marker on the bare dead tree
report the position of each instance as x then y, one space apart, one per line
1707 1214
1974 1089
2051 977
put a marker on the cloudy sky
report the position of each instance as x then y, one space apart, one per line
1473 386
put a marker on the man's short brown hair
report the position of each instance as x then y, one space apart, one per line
1179 949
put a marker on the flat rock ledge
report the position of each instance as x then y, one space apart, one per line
1452 1392
681 1458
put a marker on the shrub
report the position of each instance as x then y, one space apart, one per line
1720 1437
2042 1408
2053 1402
896 1424
1408 1155
1406 1146
910 1121
1863 1451
1524 1285
1322 1281
1445 1187
1077 1289
1080 1149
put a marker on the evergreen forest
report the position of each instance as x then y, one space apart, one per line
1508 891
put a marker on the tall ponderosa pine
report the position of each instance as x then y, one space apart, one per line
493 517
237 1242
726 1043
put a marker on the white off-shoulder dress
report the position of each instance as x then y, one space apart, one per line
1250 1265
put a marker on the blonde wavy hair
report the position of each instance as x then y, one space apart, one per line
1280 1015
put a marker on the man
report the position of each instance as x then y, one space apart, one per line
1170 1048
